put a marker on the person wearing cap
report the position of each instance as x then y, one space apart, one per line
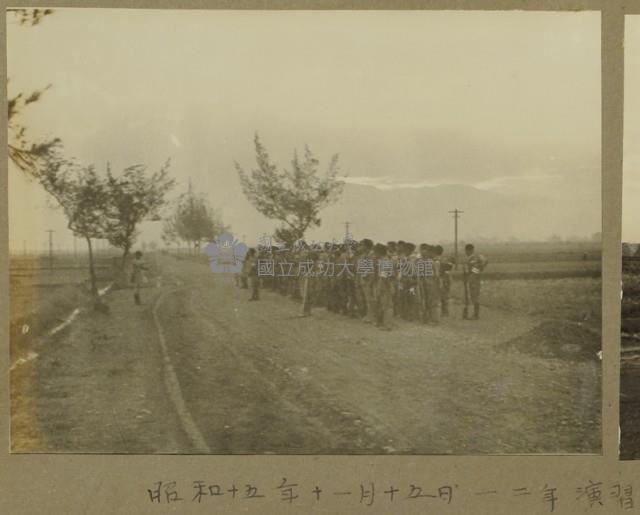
137 275
308 274
365 280
429 292
473 268
251 260
445 265
383 287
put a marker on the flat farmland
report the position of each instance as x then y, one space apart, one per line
538 260
39 295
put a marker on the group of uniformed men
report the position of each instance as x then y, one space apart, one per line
374 282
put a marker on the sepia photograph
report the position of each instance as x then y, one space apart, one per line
630 330
312 232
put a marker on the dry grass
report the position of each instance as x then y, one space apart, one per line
575 299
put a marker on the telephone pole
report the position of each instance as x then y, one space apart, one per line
456 215
347 234
50 231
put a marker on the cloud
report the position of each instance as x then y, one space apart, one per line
387 183
510 181
495 183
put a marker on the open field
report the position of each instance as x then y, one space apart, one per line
540 260
538 251
41 297
39 294
576 299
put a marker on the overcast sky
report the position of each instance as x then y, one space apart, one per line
502 101
631 157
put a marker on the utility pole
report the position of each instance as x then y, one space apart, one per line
50 231
347 236
456 214
190 195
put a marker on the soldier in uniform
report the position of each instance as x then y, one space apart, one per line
337 291
473 268
392 255
407 288
365 280
383 287
137 275
244 273
251 260
428 288
347 273
433 288
325 278
445 265
298 252
308 269
278 280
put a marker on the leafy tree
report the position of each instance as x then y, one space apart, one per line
193 221
83 196
134 196
293 196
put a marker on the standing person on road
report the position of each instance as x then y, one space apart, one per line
428 287
383 287
473 269
245 272
366 279
445 265
251 260
137 275
308 271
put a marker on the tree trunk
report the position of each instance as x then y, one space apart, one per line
92 271
125 255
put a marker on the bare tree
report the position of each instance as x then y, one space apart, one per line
134 196
293 196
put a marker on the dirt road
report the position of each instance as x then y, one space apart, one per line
198 368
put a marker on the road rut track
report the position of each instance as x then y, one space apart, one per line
327 408
299 402
172 385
